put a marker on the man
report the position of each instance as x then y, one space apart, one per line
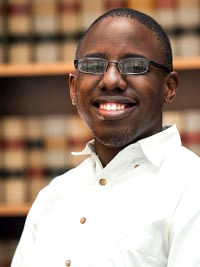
136 200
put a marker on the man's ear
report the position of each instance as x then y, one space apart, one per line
171 84
72 82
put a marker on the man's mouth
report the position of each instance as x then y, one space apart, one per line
112 109
112 106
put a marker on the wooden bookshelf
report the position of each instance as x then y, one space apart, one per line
33 69
14 210
187 63
188 67
60 68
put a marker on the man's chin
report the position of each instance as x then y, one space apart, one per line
115 141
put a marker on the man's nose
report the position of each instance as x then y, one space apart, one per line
112 78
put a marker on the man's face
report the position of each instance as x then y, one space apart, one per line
120 109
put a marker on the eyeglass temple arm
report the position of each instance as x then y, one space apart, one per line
76 63
159 66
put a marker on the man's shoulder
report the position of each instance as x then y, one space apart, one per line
185 161
72 175
62 186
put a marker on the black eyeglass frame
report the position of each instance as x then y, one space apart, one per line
150 62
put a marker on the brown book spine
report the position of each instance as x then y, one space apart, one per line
146 6
14 160
110 4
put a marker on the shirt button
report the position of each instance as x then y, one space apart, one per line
102 181
68 263
83 220
137 165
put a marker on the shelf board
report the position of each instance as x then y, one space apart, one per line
33 69
187 63
14 210
62 68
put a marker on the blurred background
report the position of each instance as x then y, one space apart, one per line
38 125
38 31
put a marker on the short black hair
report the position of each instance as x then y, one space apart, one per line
144 19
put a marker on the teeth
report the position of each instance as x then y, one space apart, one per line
112 106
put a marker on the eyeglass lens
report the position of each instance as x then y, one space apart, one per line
126 66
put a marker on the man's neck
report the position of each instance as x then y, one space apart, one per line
106 153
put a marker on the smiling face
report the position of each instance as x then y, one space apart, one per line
121 109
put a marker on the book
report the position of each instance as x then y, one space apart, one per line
55 145
176 117
68 49
45 17
191 137
69 17
14 160
188 13
46 48
19 49
146 6
45 31
18 25
18 17
188 124
2 31
90 11
188 17
166 13
36 174
78 136
110 4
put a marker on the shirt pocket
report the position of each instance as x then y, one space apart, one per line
142 248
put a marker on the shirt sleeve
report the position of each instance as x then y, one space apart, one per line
24 252
185 240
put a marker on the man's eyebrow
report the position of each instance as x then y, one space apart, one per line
127 55
95 55
123 56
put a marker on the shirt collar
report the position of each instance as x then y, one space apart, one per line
154 148
157 146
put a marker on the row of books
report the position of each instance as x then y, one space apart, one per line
34 30
7 249
33 150
188 124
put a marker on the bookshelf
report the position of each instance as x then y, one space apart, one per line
61 68
14 210
30 76
34 70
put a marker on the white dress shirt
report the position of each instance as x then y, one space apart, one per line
141 210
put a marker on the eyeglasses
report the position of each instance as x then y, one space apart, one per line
130 65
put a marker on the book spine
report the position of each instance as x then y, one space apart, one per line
191 137
110 4
18 26
78 136
1 162
146 6
90 11
188 17
69 27
2 32
55 144
18 17
45 31
166 15
35 156
14 161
